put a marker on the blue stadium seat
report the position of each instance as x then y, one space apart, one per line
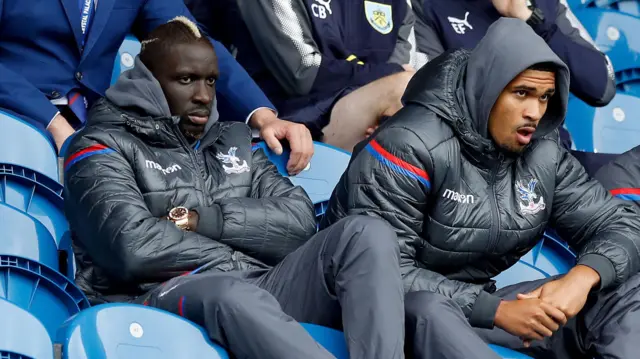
128 331
333 341
31 197
127 53
614 128
551 256
319 179
616 34
33 218
23 145
22 336
24 236
46 294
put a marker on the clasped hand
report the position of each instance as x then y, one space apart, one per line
538 314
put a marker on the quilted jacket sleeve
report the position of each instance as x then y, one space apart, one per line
605 230
277 218
622 176
112 223
390 179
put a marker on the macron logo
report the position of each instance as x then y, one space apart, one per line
458 197
166 171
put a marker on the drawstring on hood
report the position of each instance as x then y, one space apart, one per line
509 48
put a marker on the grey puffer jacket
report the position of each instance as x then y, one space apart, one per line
463 210
131 165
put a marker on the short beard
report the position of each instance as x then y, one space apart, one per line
509 151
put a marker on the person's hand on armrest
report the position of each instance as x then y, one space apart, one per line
273 130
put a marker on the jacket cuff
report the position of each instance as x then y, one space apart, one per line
603 266
209 221
484 310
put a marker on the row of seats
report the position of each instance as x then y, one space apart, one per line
33 285
46 315
615 128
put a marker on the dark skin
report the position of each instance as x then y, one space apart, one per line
199 61
512 121
187 75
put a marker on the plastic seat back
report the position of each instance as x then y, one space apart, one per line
320 177
550 257
48 295
22 336
128 331
616 34
24 236
614 128
33 218
23 145
127 53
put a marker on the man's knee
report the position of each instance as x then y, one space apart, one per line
422 305
369 234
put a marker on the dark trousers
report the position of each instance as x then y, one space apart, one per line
607 327
345 276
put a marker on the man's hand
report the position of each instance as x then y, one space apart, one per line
272 130
60 130
569 293
529 319
193 219
513 8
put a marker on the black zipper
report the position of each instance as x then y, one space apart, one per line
194 159
495 220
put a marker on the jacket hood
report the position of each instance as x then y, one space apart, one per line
463 86
138 91
145 110
510 47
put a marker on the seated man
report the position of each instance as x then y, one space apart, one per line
339 67
54 69
470 173
151 197
622 176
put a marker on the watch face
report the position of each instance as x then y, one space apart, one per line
178 213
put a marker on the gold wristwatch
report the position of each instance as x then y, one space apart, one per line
180 216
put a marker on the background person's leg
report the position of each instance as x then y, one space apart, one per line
348 272
240 316
612 322
437 328
353 114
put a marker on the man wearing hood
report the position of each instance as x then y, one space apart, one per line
470 173
200 224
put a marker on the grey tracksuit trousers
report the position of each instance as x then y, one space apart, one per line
345 276
607 327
